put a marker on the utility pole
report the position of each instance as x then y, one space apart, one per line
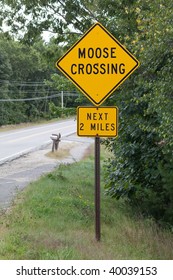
62 99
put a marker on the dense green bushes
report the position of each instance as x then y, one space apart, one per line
142 167
57 112
25 75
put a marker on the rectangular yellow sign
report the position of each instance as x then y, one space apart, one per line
97 121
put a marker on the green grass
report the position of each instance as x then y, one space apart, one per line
54 219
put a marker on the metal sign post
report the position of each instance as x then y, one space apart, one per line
97 188
97 58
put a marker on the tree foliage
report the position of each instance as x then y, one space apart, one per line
23 70
142 169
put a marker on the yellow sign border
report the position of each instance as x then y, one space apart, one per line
117 85
98 135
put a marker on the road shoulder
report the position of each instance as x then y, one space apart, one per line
17 174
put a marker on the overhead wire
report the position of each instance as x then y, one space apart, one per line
37 98
22 88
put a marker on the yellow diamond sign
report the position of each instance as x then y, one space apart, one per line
97 64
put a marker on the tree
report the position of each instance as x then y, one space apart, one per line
5 73
33 17
65 19
142 168
23 71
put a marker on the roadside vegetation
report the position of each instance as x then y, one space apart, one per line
54 219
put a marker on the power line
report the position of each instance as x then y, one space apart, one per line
37 98
29 99
21 82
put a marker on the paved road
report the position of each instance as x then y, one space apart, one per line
18 142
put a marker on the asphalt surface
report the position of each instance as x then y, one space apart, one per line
15 143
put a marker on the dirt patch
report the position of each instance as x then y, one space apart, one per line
62 152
